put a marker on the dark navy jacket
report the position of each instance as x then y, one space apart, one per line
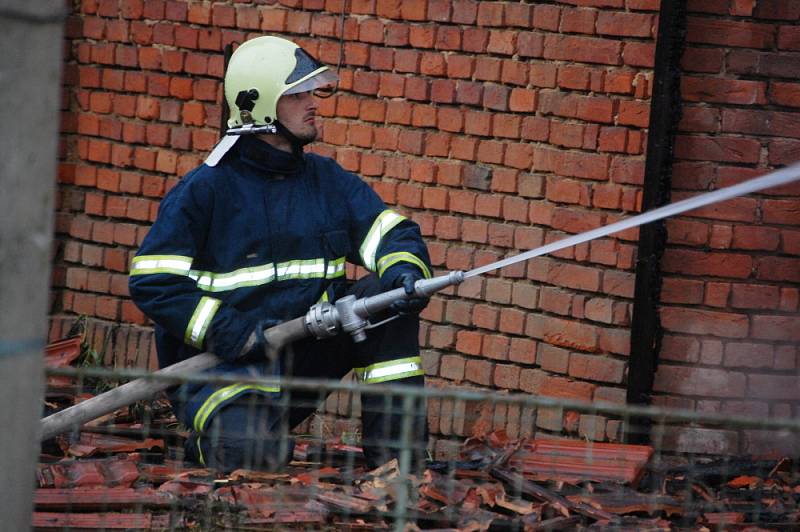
260 235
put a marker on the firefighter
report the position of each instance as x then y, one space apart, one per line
258 234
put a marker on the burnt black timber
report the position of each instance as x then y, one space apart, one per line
664 116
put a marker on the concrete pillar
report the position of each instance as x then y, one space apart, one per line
30 66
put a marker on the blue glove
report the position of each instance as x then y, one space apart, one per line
413 305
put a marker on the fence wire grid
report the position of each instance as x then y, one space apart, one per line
132 469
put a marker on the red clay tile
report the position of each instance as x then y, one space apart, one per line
100 521
574 461
100 498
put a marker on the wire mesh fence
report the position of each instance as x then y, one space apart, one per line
138 468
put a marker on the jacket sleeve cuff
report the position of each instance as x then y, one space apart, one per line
228 334
390 275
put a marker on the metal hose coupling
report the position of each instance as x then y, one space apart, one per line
427 287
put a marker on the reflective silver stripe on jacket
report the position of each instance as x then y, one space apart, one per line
175 264
243 277
384 223
391 370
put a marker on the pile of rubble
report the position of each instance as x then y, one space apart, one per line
122 473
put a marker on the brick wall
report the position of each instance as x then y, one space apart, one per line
498 126
732 271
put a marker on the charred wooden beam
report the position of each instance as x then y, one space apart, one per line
664 116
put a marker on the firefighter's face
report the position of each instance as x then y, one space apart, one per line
297 113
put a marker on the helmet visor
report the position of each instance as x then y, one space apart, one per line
323 84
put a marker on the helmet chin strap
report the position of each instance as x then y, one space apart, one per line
295 142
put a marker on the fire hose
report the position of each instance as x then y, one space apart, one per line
351 315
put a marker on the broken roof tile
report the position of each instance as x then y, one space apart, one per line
574 461
99 498
102 521
116 471
92 443
58 355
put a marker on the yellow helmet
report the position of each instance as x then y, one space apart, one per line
262 70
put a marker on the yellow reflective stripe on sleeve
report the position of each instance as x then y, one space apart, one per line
384 223
220 396
201 319
402 256
148 264
391 370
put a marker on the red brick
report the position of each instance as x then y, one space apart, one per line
777 9
785 94
479 371
546 17
490 14
506 376
407 61
574 77
721 148
755 296
596 368
567 134
708 263
469 342
582 49
778 269
634 113
448 38
696 321
512 321
502 42
723 90
452 367
572 221
756 238
578 21
708 60
397 34
583 165
465 11
781 328
729 33
530 44
459 66
422 36
625 24
564 388
780 211
489 205
495 347
759 122
700 119
439 10
639 54
704 382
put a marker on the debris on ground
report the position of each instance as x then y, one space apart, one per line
127 473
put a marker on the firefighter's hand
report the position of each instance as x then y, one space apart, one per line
262 344
412 305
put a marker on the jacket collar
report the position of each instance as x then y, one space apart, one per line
263 156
